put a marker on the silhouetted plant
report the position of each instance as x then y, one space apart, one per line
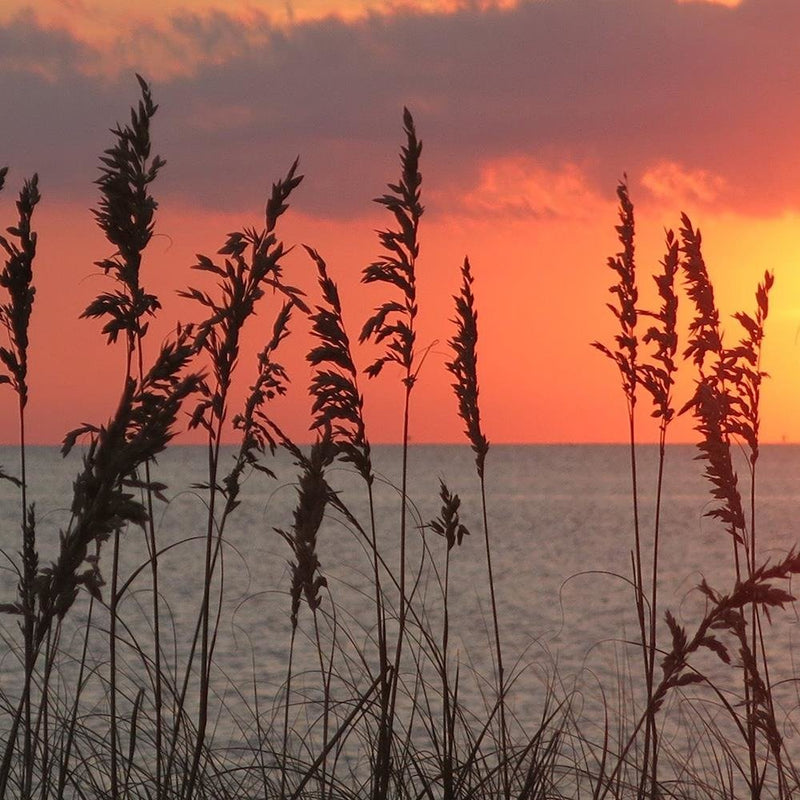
257 428
464 368
252 265
125 214
726 406
393 322
657 376
725 403
448 525
141 428
338 403
373 724
393 325
626 357
16 279
338 410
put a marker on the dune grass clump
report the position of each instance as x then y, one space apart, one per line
118 697
725 404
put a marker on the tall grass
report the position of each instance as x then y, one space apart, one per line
393 324
17 279
372 704
725 405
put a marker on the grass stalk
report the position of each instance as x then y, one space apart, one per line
125 214
449 527
252 264
394 324
464 368
64 762
658 376
17 280
61 740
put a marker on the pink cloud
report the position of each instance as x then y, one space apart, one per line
670 181
519 186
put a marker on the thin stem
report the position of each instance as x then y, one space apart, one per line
285 749
150 537
64 770
501 687
112 626
638 587
326 705
29 605
447 726
386 733
653 643
380 612
205 654
112 638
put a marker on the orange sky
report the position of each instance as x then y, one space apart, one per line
529 114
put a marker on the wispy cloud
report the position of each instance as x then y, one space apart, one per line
516 186
670 181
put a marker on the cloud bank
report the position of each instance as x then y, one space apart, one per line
693 100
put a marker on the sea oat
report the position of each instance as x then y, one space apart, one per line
141 428
393 322
313 496
17 279
448 524
338 403
625 311
658 378
125 214
252 264
257 429
464 366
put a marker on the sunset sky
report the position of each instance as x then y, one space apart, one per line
530 112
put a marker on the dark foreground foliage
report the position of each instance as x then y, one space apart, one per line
102 710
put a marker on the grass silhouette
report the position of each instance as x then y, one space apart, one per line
358 714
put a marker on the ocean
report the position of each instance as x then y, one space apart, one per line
561 529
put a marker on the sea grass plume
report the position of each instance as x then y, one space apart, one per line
464 366
17 280
393 325
627 294
746 370
126 215
313 496
658 376
258 432
393 321
252 264
448 524
713 401
104 497
338 403
705 333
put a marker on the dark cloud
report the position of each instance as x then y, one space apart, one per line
612 86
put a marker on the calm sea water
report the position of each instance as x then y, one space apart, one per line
560 523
